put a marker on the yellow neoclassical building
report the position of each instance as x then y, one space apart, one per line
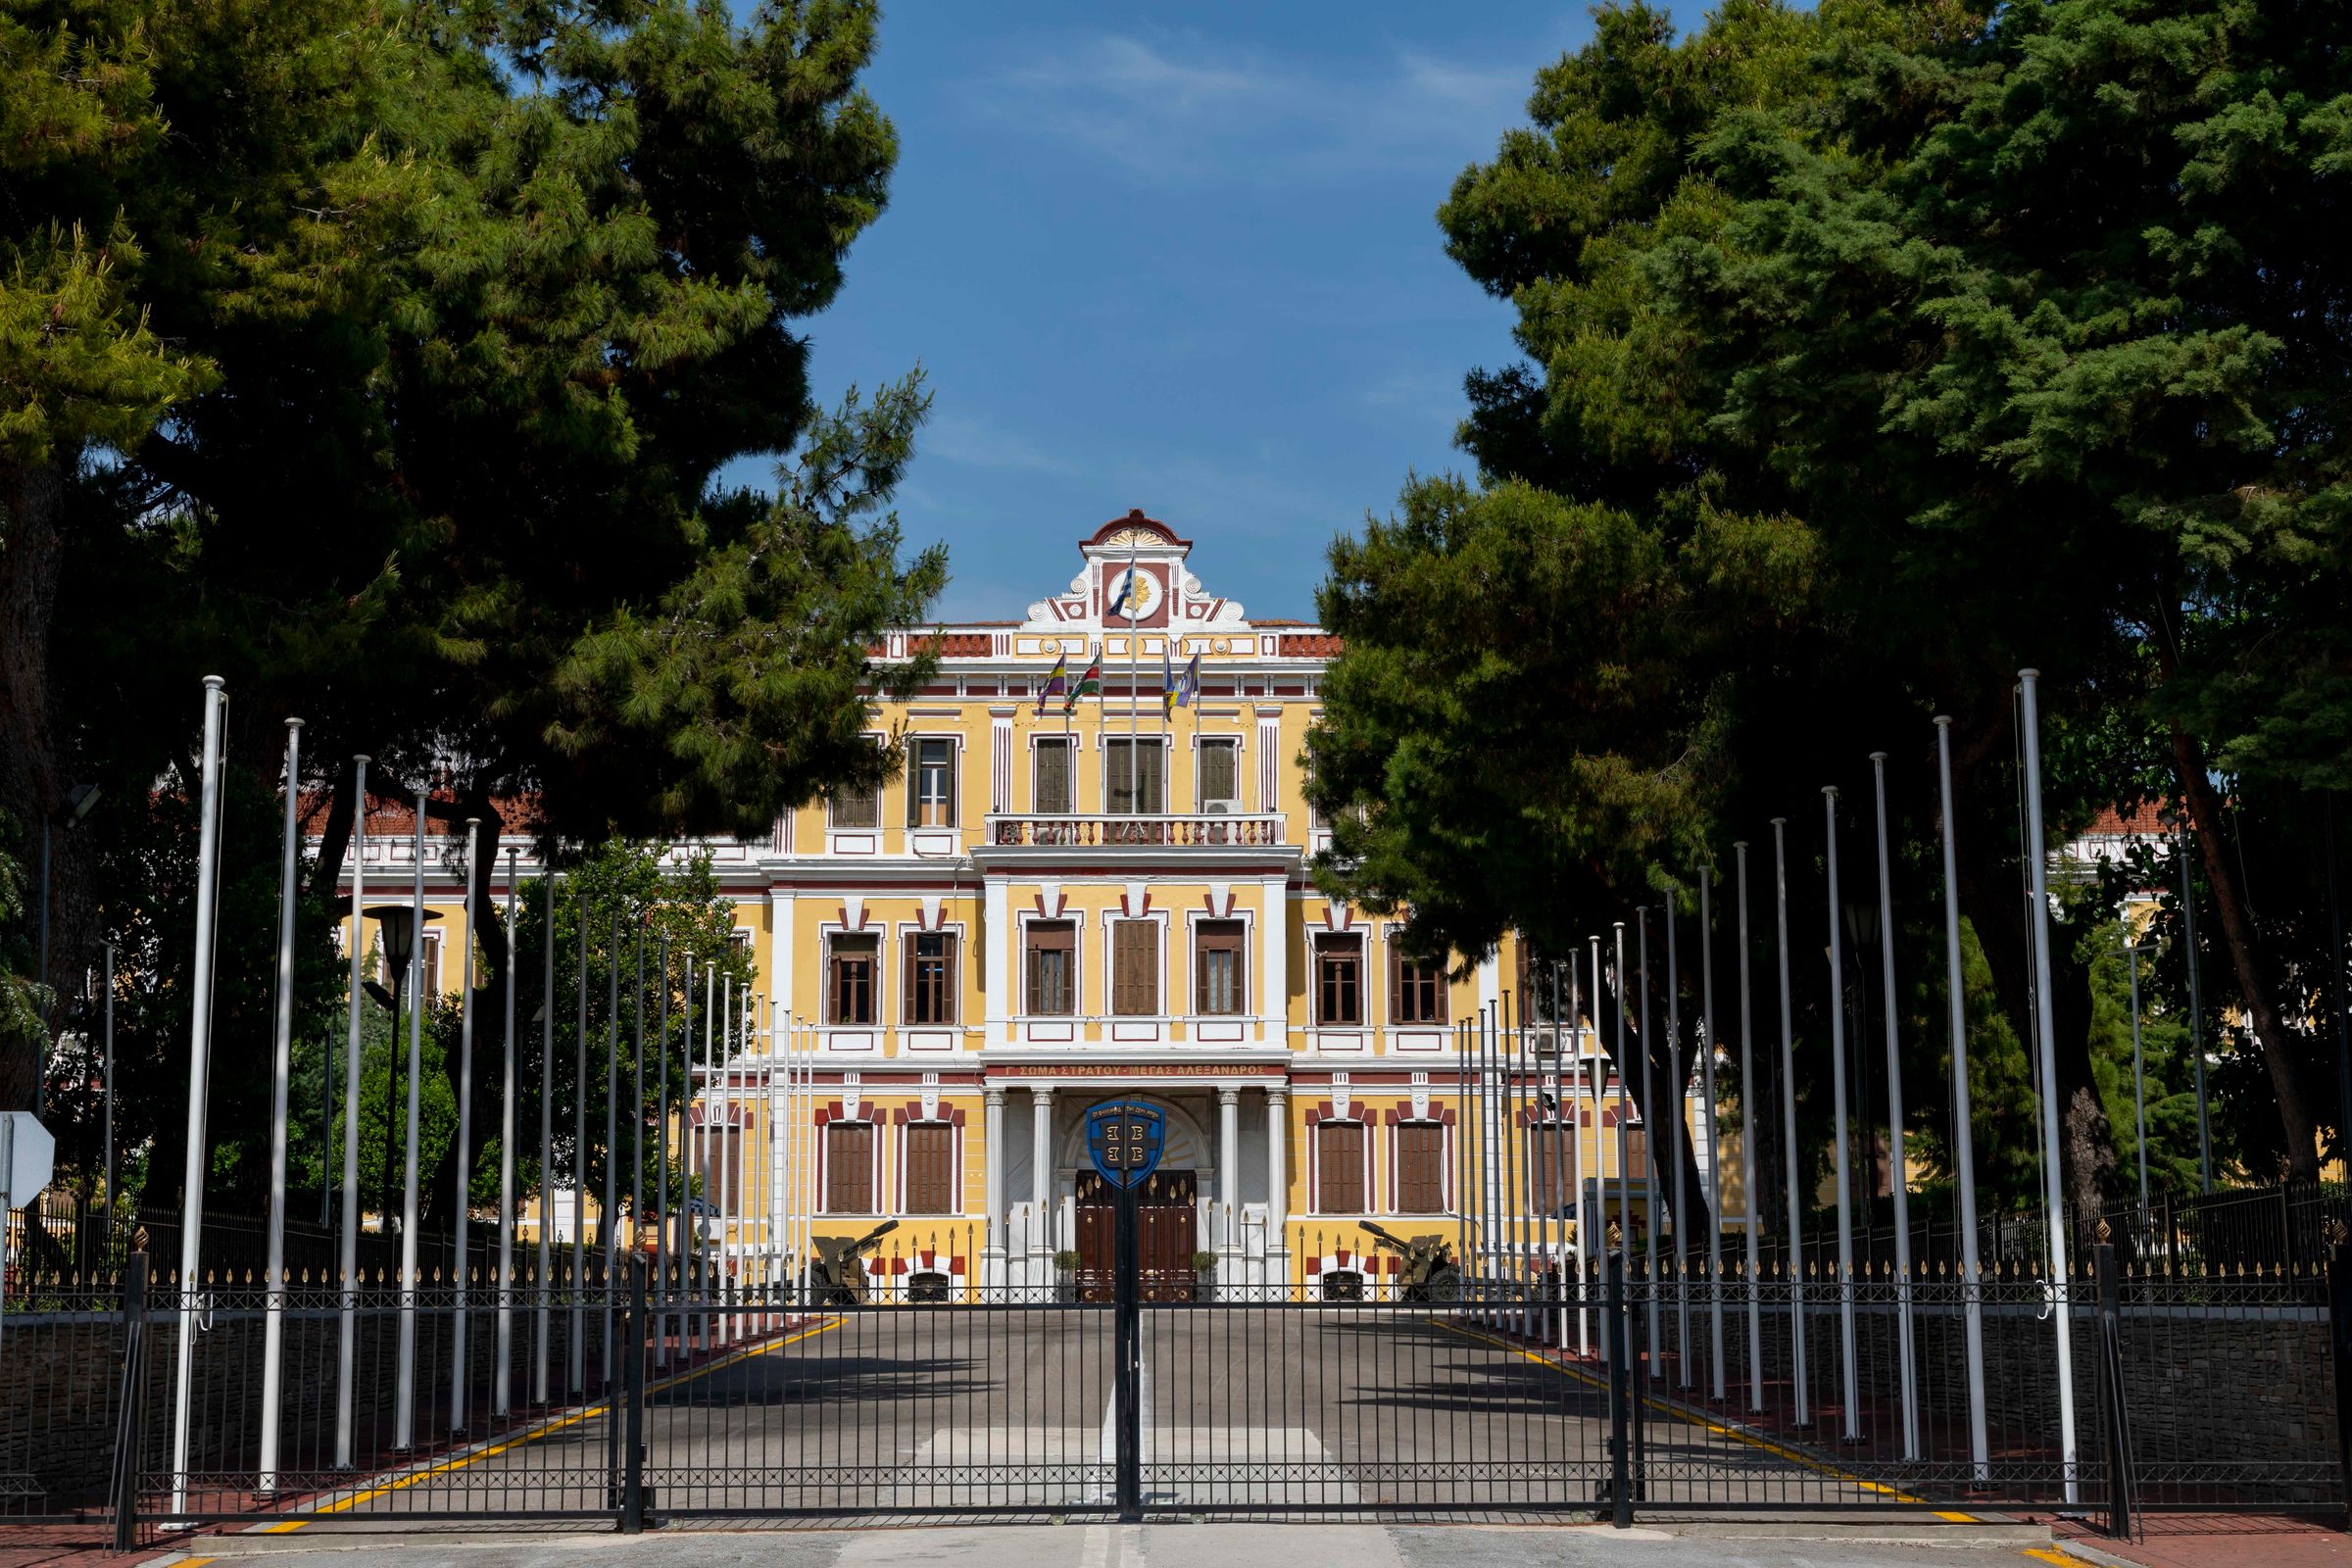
1063 902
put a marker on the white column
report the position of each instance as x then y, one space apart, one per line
992 1162
1278 1172
1041 1162
1229 1167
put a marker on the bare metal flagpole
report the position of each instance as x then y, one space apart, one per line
1898 1177
281 1069
1963 1119
1649 1153
547 1145
346 1332
502 1391
200 1044
1851 1421
662 1160
2045 1030
578 1367
1749 1192
1796 1229
404 1416
457 1361
1714 1125
1681 1259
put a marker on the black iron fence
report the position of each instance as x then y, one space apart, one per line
637 1397
2249 1228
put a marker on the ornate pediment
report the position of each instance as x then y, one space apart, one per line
1165 597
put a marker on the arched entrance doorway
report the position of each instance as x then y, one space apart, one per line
1166 1232
1168 1208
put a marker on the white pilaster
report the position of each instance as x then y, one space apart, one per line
779 960
1274 950
997 934
1000 760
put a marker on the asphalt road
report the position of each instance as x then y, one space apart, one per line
1247 1410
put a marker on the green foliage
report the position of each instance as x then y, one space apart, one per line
21 994
1871 353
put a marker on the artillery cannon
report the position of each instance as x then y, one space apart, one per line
835 1276
1429 1273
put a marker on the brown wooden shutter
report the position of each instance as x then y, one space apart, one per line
1053 936
930 1169
850 1168
1420 1158
1135 968
1218 937
1339 1167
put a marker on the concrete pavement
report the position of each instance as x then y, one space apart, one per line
1701 1545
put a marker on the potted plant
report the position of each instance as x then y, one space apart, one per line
1205 1276
1066 1264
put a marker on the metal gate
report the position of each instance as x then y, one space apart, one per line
628 1402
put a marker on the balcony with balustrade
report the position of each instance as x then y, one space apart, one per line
1135 830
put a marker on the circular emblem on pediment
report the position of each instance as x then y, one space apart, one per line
1146 595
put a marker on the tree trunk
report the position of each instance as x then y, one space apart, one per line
2271 1030
32 556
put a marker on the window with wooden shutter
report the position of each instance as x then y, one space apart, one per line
721 1150
1339 1167
1339 980
1049 765
1219 774
931 977
850 1167
931 784
850 975
1135 968
1134 784
1552 1167
1217 968
1052 965
1420 1168
1417 990
930 1169
858 805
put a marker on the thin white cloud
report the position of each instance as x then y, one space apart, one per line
960 438
1175 106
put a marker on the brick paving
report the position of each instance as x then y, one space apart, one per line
2220 1540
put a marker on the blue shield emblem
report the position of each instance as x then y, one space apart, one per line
1124 1139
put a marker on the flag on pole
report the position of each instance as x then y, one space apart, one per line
1057 683
1188 684
1168 683
1089 684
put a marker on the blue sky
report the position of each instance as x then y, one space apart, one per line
1176 257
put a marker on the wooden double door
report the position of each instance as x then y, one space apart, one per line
1166 1235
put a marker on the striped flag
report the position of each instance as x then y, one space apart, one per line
1089 684
1056 683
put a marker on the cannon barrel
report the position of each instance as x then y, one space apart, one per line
1384 1238
850 1250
